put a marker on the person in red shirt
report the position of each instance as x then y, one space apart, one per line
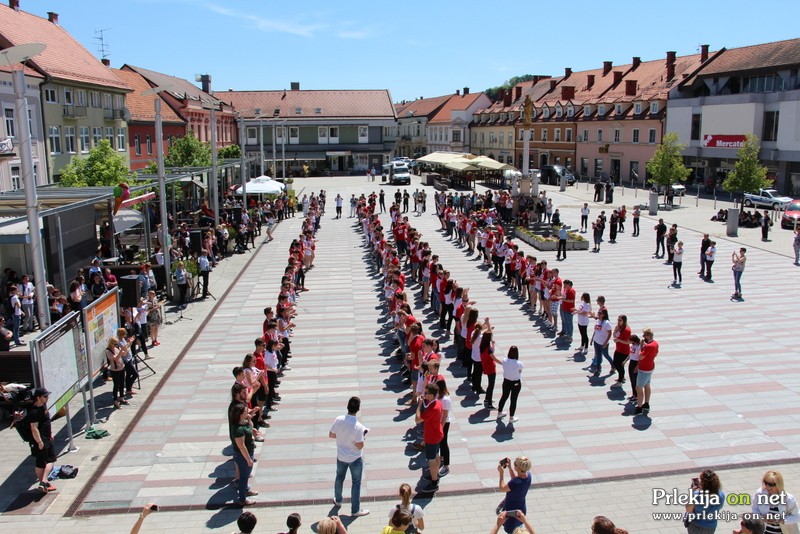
647 364
622 349
429 413
567 304
414 356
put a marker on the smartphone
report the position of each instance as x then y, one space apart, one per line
512 513
695 482
154 507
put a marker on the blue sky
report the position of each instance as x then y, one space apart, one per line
413 48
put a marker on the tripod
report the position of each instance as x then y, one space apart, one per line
197 289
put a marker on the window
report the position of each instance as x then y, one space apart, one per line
599 135
584 166
97 134
546 112
298 111
121 139
482 138
95 99
637 108
570 111
54 134
510 139
557 134
318 111
16 178
30 122
635 134
651 136
587 111
544 134
568 163
322 134
69 139
618 109
11 124
149 141
568 135
585 136
601 110
294 135
763 84
119 102
653 108
80 94
137 144
252 135
558 111
770 126
85 139
51 95
457 137
696 118
363 134
617 135
598 167
279 133
68 96
110 136
333 134
107 101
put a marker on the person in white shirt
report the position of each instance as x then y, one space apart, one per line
585 217
27 293
512 371
349 434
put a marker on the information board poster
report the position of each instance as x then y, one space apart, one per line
62 360
102 321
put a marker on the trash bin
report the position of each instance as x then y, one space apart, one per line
653 205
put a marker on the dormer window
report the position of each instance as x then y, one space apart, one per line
637 108
546 112
318 111
502 117
533 113
601 111
298 111
653 108
570 111
558 110
618 109
587 110
492 117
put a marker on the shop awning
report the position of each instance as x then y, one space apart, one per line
16 233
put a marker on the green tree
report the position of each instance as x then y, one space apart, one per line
748 175
102 167
667 166
494 92
230 152
188 152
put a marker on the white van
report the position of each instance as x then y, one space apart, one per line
396 173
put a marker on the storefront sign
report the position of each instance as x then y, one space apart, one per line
724 141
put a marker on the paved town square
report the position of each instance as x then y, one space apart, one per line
725 390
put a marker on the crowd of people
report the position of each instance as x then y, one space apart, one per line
254 394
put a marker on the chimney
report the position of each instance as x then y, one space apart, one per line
553 84
617 77
630 87
670 65
51 16
589 81
606 67
466 91
567 72
106 62
507 98
205 83
502 95
517 92
13 4
567 92
295 86
458 92
703 53
636 62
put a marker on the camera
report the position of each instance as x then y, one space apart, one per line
512 513
504 462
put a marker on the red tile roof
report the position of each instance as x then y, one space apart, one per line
756 57
28 71
64 58
182 89
454 103
141 106
421 107
312 103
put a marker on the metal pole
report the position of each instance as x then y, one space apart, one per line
283 152
72 447
162 196
213 185
242 162
274 160
61 265
31 200
261 141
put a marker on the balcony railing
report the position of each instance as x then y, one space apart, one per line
109 114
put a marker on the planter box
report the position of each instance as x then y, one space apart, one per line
550 245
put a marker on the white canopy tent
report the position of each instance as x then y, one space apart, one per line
263 185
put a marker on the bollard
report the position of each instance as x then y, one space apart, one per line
715 199
653 204
697 200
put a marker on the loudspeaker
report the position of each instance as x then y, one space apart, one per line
130 288
195 241
237 214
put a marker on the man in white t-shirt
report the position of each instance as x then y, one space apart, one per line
27 294
349 434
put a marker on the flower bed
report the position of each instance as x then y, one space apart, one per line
575 241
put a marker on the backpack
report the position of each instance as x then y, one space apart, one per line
412 529
23 428
68 471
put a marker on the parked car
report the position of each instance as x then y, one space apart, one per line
551 175
791 216
768 198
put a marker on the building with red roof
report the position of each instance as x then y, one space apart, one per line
412 121
448 128
11 177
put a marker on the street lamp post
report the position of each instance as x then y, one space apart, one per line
283 150
261 138
214 185
11 57
243 161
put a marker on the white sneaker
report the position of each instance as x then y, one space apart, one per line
360 513
514 419
501 415
616 384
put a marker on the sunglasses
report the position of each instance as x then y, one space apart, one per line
769 484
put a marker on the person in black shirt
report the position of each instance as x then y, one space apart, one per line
661 233
41 438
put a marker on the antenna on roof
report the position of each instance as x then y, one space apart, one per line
102 47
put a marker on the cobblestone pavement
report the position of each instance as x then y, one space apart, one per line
724 393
